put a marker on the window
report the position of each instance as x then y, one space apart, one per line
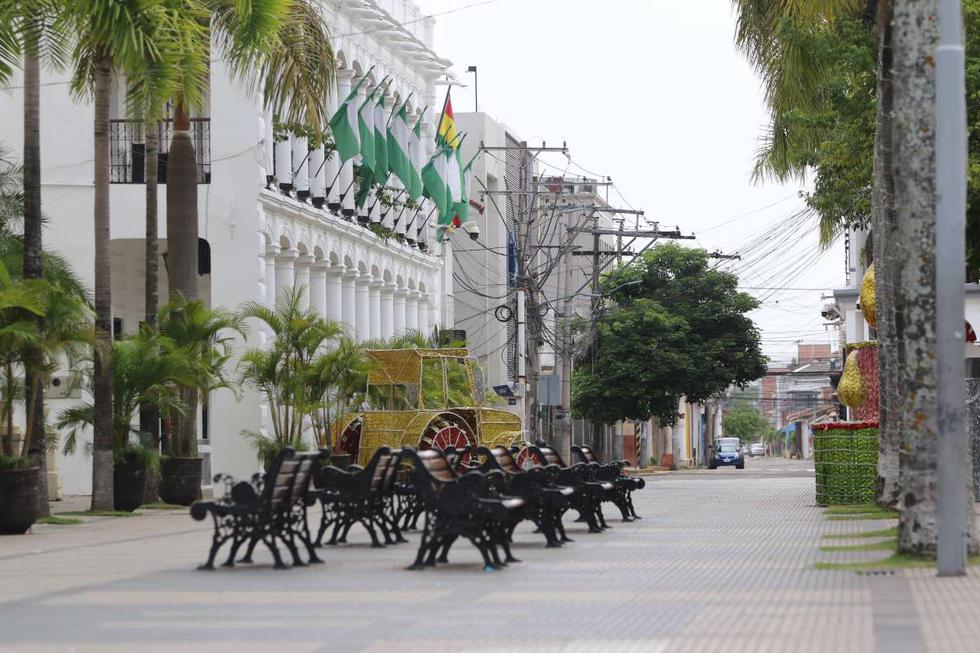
127 150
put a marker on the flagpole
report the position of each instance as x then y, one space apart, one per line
395 199
442 115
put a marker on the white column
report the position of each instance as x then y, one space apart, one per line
285 271
302 280
316 176
363 318
318 288
331 168
375 301
347 171
301 165
423 314
284 164
335 299
412 310
399 310
268 144
271 252
433 315
387 310
348 302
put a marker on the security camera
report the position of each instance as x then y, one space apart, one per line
473 229
831 312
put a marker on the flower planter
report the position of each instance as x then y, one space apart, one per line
129 481
18 499
180 480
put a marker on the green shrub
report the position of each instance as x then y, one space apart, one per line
845 457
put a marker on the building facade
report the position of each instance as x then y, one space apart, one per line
273 214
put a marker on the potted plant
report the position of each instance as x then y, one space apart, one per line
147 369
283 373
204 336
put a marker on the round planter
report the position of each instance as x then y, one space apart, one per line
18 499
129 484
180 480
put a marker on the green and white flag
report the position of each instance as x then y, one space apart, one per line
381 168
416 156
344 125
365 127
435 182
462 208
455 174
398 147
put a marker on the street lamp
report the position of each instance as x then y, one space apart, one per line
476 89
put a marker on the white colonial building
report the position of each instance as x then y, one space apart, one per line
255 240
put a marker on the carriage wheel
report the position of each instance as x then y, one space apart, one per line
350 439
447 431
527 459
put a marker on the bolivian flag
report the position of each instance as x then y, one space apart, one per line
446 134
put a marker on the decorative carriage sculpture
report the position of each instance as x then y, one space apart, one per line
422 398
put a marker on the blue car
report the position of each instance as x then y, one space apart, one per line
727 454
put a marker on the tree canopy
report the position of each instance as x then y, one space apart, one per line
745 422
820 72
678 329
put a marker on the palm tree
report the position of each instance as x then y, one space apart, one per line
135 38
285 372
34 30
280 47
147 368
205 336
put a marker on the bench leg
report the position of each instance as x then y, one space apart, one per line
368 525
216 544
423 547
235 545
251 547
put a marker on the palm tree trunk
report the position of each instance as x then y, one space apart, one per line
182 244
887 271
102 471
915 36
149 414
33 388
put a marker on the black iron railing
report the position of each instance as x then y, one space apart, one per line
127 150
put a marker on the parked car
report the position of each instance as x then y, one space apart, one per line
757 449
727 454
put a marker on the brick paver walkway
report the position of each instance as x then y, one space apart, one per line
720 562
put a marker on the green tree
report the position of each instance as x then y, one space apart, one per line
134 38
680 330
746 423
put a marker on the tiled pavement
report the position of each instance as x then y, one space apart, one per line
720 562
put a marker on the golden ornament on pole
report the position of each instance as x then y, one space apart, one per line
852 390
868 297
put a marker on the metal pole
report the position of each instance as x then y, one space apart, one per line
565 442
951 156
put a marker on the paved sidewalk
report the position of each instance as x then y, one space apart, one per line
725 565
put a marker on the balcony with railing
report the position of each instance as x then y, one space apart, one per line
127 150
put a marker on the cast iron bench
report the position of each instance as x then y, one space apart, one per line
359 495
544 502
622 496
458 506
589 492
269 509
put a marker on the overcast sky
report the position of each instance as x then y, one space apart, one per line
654 95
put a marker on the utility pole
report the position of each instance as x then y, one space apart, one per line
565 434
954 495
529 319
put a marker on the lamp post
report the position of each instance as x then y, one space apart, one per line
476 89
954 500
